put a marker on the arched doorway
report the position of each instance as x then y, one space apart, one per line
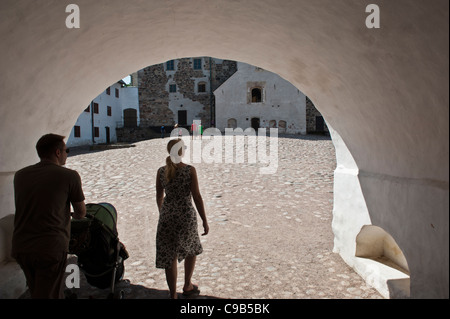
255 123
282 126
130 118
232 123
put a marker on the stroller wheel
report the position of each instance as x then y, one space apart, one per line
69 294
116 295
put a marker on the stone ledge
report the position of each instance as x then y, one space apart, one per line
390 283
12 278
101 147
12 281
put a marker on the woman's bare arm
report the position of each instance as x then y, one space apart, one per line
198 200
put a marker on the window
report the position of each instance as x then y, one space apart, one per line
76 131
256 92
281 126
232 123
96 131
96 108
109 110
108 91
170 65
197 64
88 109
202 87
172 88
117 92
256 95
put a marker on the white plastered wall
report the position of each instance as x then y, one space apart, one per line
281 101
385 91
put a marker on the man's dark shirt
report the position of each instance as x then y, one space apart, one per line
43 193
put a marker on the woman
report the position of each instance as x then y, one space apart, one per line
177 235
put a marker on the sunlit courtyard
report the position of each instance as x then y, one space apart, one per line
270 234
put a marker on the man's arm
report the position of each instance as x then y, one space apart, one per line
79 210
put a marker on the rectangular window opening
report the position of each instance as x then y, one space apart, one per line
77 131
170 65
197 64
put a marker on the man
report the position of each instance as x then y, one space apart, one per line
43 193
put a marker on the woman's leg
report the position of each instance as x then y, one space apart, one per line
171 278
189 265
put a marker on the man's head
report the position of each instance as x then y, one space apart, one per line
52 147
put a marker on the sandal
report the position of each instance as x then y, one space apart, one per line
191 292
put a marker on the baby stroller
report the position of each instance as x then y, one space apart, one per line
95 241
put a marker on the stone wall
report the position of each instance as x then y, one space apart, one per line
153 96
277 103
311 115
185 79
155 99
141 133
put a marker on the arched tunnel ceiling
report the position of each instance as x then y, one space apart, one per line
385 91
372 85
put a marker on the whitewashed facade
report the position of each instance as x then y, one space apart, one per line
253 97
98 122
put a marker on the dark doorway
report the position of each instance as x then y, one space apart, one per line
130 118
108 139
255 123
182 117
320 124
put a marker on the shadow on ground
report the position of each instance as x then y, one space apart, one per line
130 291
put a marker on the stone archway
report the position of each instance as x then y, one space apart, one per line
384 93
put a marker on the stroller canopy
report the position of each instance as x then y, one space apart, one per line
105 213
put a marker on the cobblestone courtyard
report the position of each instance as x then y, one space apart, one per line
270 235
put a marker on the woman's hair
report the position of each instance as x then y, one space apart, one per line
173 158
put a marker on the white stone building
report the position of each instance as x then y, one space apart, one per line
254 97
115 107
